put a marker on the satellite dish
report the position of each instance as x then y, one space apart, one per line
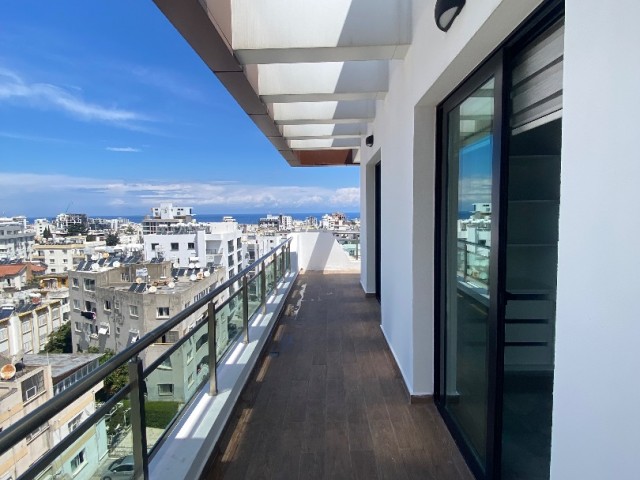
153 289
138 280
105 255
95 267
7 372
95 257
191 265
197 264
171 285
192 277
116 264
207 273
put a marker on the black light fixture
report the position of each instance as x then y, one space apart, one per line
446 12
369 141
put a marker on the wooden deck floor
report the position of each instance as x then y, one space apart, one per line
327 400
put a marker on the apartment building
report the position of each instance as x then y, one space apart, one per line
16 242
164 216
33 381
216 244
59 257
116 303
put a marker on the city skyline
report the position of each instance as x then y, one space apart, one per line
111 112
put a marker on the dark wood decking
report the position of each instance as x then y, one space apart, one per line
328 402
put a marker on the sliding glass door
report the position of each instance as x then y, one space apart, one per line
470 143
500 137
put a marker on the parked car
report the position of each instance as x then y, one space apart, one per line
120 468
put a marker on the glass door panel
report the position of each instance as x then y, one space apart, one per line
467 274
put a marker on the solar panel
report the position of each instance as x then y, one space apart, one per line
80 265
101 262
181 272
141 288
189 272
133 287
174 272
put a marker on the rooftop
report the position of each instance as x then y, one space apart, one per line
62 364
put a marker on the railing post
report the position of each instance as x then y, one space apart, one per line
263 287
213 349
138 422
245 308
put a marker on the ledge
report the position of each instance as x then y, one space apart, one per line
187 449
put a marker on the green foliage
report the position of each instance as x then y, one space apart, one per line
77 229
60 340
120 417
114 381
160 414
47 233
112 240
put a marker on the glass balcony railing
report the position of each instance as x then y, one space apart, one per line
122 434
473 263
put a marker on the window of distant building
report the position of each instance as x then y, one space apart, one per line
175 246
165 389
191 246
75 283
32 386
133 310
78 461
76 304
230 245
89 284
75 422
163 312
154 246
107 305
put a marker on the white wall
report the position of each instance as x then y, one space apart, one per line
320 251
404 130
596 423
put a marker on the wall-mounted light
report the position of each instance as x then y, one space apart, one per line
369 141
446 12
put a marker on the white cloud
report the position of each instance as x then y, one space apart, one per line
123 149
90 193
44 95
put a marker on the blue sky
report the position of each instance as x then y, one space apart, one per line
105 109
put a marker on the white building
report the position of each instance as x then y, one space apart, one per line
60 257
217 243
15 241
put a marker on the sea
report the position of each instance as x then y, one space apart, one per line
241 218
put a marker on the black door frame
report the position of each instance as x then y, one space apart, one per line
496 66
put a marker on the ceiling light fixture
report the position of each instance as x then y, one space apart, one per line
446 12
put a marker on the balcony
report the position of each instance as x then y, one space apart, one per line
301 384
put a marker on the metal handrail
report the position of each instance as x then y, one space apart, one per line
19 430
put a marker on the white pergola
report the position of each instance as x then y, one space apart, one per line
307 73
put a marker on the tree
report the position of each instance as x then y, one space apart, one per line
77 229
115 380
60 340
112 240
47 233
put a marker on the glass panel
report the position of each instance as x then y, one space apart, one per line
228 323
531 265
173 384
270 272
468 243
106 442
254 294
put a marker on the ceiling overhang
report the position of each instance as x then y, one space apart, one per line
307 73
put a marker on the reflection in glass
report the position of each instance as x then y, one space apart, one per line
468 245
